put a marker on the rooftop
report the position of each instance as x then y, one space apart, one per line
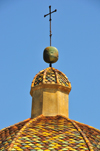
50 133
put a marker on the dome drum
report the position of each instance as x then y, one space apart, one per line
50 93
50 100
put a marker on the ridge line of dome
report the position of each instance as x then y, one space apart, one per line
44 75
83 135
27 124
14 124
18 134
89 145
88 126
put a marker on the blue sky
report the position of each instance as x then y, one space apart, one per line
24 33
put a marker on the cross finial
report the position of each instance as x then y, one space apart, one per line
50 20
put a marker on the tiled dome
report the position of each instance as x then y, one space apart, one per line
51 76
55 133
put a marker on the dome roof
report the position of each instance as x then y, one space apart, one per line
51 75
50 133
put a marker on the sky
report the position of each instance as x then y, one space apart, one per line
24 34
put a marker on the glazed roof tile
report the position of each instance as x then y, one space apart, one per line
50 133
8 134
92 134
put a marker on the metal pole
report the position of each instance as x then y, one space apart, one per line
50 65
50 23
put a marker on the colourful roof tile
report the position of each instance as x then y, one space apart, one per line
92 134
8 134
50 134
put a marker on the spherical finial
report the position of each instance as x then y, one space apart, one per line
50 54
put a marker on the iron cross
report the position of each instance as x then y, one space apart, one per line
50 20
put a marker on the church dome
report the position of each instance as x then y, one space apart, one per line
55 133
51 75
